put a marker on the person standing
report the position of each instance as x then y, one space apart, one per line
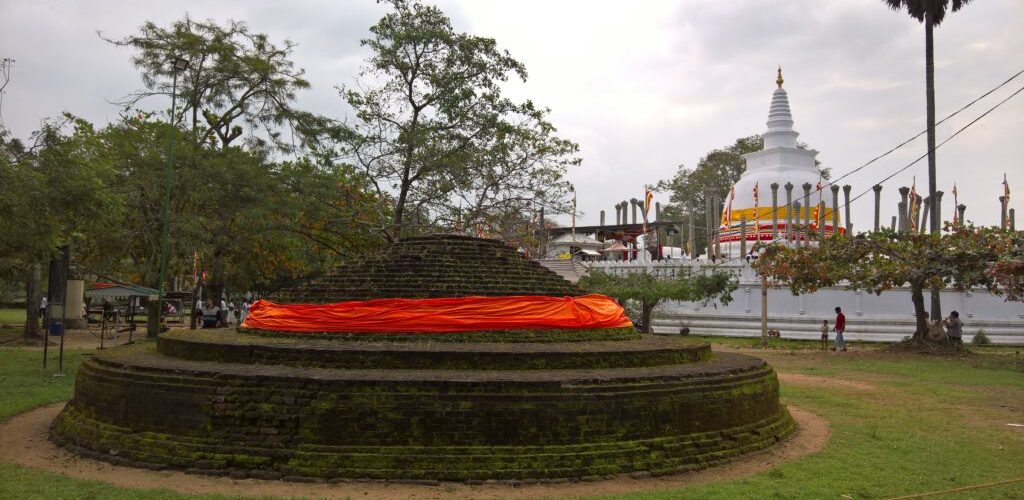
824 334
840 327
954 329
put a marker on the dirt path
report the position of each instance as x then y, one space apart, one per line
823 382
23 440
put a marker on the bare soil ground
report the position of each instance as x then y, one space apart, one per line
23 440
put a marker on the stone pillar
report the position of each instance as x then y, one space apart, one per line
1002 212
916 215
715 226
775 210
821 220
901 207
846 205
617 219
657 217
892 226
904 219
807 212
877 188
937 208
961 208
835 210
797 232
1013 225
743 236
709 234
925 207
633 203
602 218
789 211
690 238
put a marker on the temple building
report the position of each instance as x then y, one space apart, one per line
774 181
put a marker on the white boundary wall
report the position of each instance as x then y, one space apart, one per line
884 318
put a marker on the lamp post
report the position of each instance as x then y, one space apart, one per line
179 64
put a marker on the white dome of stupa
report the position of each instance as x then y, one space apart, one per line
780 162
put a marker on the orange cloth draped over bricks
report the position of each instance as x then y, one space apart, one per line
443 315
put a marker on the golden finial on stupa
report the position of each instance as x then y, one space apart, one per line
779 79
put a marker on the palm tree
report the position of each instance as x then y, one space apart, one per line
931 13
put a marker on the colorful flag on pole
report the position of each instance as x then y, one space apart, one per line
757 213
1006 193
727 213
956 211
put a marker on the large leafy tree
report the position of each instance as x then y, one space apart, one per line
642 291
716 172
435 134
52 193
883 260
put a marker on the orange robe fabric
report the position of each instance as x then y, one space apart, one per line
444 315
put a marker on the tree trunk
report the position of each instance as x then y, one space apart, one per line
215 287
646 309
33 295
933 216
920 313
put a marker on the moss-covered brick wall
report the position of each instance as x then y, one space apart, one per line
138 407
219 346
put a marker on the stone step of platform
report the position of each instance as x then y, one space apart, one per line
227 347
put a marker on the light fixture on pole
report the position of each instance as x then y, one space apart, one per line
179 64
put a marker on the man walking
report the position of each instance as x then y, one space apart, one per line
839 328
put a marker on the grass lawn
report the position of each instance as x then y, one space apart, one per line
912 424
13 317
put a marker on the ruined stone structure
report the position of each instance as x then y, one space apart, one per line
529 405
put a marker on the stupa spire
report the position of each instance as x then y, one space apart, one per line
780 131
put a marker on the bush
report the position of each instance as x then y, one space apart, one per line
980 338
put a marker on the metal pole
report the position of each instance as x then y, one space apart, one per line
764 310
165 211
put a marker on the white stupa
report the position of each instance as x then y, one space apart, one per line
781 162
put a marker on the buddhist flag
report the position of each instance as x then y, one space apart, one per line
648 197
757 214
1006 193
955 205
727 213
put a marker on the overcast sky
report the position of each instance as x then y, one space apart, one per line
642 86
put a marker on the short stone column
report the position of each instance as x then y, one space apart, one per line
904 215
877 188
743 236
960 209
1002 212
797 232
789 211
846 205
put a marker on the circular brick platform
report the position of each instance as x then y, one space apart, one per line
134 405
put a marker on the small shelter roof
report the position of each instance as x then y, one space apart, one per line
119 290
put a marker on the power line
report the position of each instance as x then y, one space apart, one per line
919 134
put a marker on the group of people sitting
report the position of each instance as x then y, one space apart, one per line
223 314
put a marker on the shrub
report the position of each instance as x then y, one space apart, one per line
980 338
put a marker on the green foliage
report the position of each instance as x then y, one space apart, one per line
436 135
980 338
716 172
882 260
931 11
643 291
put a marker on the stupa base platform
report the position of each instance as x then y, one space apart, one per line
311 411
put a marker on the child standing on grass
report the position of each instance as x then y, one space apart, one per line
824 335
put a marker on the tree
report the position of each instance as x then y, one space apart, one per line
436 136
931 13
643 291
52 193
716 172
883 260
